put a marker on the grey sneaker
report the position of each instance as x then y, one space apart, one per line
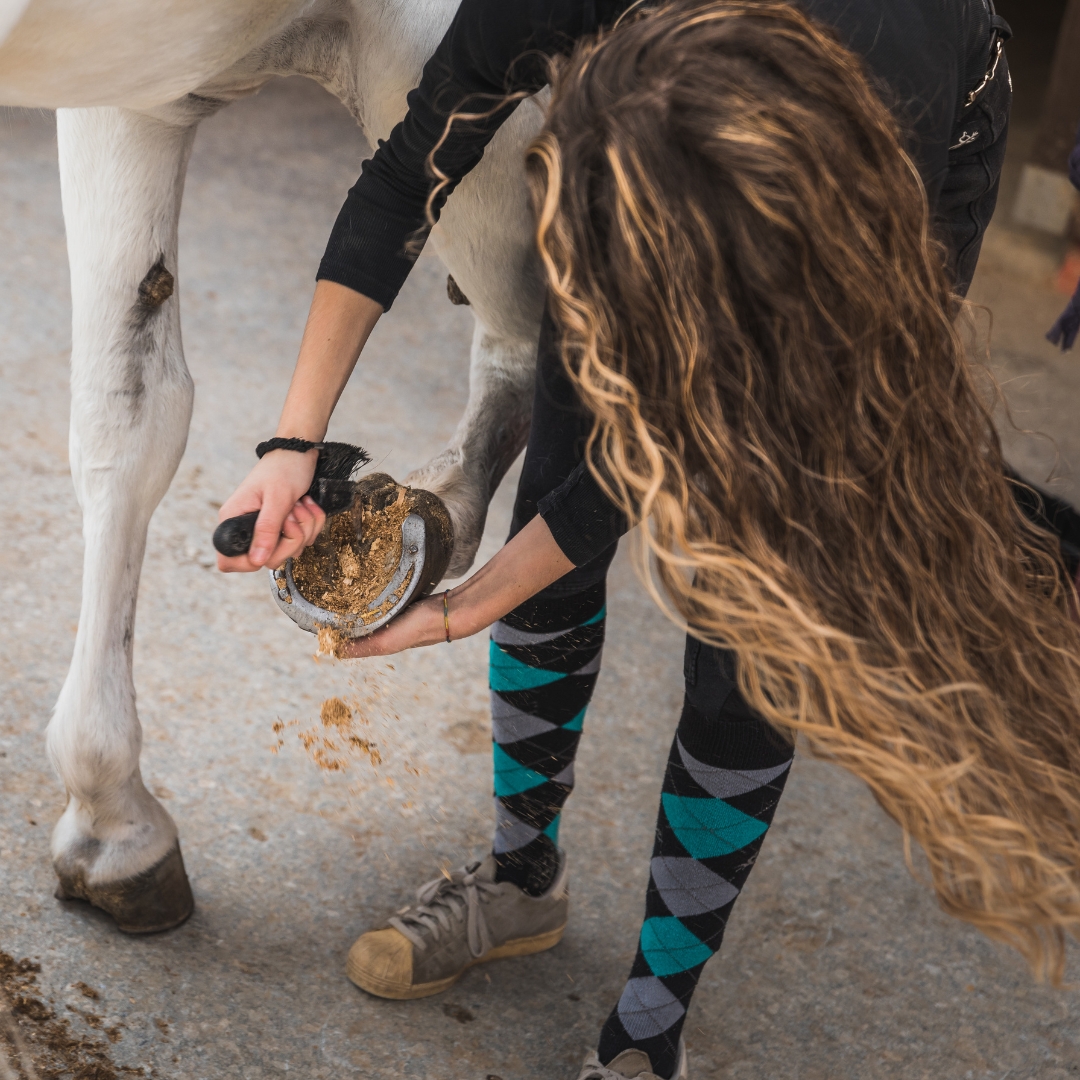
458 920
630 1065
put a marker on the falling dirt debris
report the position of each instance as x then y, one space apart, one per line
335 713
354 736
339 739
36 1044
332 642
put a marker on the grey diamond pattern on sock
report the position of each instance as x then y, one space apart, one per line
727 783
502 634
647 1007
510 724
565 776
688 887
511 833
591 668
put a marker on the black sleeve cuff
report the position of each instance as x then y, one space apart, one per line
376 288
580 516
372 250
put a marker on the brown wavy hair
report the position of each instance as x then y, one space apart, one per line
739 258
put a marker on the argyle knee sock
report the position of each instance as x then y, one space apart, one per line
544 660
724 778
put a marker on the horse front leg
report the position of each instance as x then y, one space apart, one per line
122 176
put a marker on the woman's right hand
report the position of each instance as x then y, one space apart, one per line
289 520
338 324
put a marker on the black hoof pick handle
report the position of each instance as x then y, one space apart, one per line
234 535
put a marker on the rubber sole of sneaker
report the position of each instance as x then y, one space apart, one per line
524 946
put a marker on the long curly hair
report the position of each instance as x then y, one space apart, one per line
740 260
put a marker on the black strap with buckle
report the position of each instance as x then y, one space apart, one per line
1000 32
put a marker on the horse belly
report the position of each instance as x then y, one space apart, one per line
75 53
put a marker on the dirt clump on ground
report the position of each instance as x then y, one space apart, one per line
36 1044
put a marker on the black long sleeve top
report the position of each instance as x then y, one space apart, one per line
927 55
493 48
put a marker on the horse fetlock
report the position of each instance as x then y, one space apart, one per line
113 833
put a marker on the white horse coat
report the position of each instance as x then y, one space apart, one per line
131 82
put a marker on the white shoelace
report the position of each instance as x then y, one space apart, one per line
441 902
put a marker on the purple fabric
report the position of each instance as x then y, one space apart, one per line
1065 330
1074 163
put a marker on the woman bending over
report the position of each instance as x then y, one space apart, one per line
750 328
750 323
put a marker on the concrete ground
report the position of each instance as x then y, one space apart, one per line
837 962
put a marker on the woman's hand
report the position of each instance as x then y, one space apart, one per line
419 624
289 520
527 564
338 325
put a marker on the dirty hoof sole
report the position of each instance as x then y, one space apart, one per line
157 899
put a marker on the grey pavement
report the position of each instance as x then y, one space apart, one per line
838 963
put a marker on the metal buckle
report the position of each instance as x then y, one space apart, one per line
990 73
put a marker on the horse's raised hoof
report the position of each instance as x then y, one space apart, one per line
157 899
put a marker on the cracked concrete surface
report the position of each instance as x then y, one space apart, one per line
837 962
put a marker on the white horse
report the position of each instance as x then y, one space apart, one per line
131 82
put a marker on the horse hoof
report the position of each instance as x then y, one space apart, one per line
157 899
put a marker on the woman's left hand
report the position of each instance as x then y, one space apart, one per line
531 561
419 624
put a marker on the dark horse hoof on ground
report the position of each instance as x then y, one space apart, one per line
157 899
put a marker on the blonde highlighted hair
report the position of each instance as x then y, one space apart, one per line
739 259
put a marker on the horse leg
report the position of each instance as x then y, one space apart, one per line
122 176
485 237
491 433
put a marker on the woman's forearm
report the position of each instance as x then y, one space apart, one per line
338 326
527 564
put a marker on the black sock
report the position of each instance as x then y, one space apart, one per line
724 778
544 660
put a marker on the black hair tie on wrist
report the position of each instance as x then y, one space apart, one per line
337 460
301 446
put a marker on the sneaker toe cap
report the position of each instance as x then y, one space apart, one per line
381 962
